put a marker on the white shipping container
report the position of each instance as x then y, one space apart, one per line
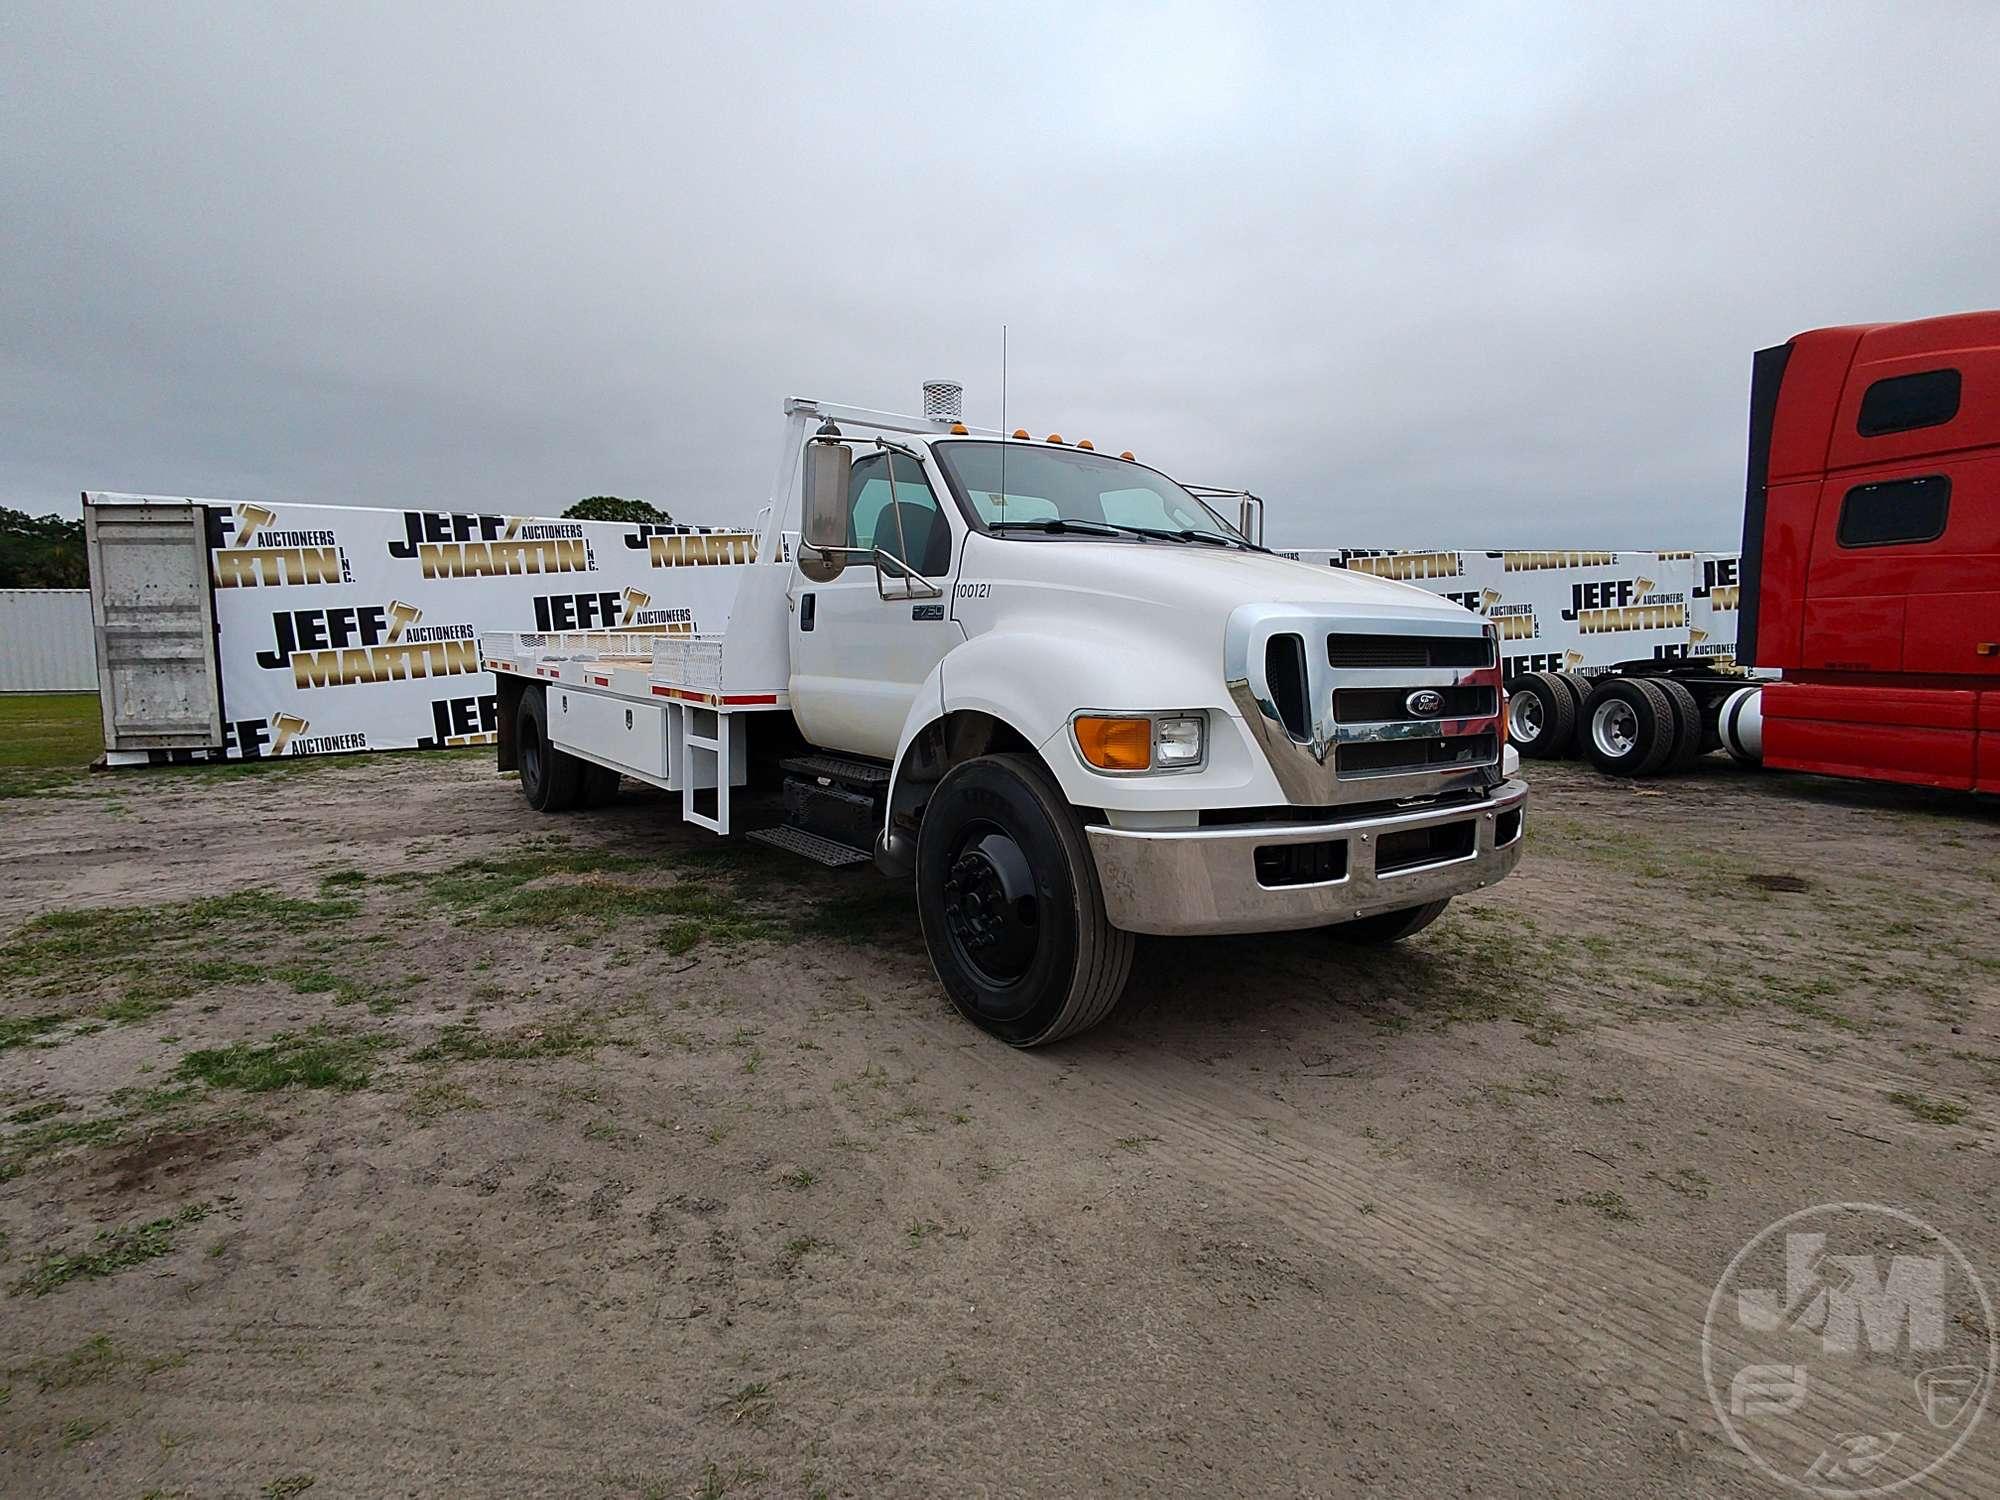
46 641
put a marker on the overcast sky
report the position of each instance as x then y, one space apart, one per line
1419 274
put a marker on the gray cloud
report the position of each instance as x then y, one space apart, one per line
1442 276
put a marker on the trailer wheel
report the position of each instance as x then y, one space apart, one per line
1541 719
1628 727
600 786
1012 913
1579 693
1390 926
550 780
1688 731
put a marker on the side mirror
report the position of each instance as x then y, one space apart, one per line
823 526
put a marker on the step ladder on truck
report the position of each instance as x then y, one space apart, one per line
1073 700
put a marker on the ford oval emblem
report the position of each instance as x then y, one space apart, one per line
1424 703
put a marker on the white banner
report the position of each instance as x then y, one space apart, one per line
1577 611
341 629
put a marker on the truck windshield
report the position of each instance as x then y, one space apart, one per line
1049 486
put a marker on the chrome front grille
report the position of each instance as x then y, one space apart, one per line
1353 709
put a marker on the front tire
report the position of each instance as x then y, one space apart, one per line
1011 909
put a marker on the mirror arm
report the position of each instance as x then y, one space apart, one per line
915 585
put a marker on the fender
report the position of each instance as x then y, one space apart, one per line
1031 682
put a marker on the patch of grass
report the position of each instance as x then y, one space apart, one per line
920 1230
134 1007
749 1403
312 1060
47 741
800 1178
36 1112
798 1248
1135 1142
113 1250
467 1041
81 1430
1542 1085
864 912
1612 1205
1802 997
438 1098
286 1486
1686 1181
306 979
1930 1111
153 955
18 1031
95 1359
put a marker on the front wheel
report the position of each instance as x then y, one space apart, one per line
1011 909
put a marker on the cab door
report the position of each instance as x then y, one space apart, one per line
858 659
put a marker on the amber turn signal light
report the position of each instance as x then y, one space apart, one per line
1116 744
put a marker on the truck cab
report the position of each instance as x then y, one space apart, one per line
1076 702
1871 551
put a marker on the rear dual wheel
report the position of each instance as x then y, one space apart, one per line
551 780
1629 727
1541 716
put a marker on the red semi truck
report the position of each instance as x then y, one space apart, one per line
1870 577
1871 551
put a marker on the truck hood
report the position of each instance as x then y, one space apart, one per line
1192 579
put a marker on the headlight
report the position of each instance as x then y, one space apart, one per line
1177 742
1141 742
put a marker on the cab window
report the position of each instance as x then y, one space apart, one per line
916 522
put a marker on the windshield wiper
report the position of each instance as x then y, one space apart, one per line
1185 535
1054 524
1220 539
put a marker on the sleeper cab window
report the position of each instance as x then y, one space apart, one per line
1896 510
1903 403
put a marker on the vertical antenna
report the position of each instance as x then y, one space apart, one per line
1003 421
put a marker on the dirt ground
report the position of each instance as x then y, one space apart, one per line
366 1134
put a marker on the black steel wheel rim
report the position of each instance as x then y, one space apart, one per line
992 916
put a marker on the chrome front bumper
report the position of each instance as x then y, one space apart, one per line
1204 880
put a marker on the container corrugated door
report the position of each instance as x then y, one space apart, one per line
155 626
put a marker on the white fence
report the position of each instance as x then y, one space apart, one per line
47 644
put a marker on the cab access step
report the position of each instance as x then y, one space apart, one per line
833 807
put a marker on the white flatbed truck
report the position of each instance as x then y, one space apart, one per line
1061 691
